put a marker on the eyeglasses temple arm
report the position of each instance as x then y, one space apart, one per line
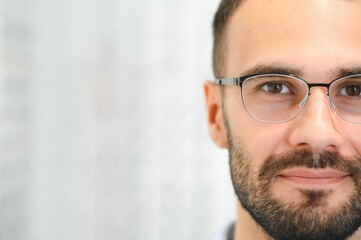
227 81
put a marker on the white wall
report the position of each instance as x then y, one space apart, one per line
103 130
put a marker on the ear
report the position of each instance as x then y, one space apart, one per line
215 119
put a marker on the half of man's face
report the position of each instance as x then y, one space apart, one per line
300 179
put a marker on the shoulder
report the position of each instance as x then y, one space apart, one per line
225 233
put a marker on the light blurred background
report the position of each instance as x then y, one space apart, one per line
103 129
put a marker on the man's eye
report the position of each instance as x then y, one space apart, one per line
275 87
351 90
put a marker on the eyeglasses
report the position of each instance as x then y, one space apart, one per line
278 98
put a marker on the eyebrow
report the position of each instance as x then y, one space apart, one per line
271 69
343 72
283 69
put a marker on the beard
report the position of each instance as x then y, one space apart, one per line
310 217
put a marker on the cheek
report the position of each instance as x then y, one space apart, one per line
263 140
352 137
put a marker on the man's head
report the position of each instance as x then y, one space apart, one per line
300 178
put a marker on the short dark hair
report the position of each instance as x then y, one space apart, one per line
225 10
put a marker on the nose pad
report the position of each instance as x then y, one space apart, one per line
329 100
304 101
317 105
302 104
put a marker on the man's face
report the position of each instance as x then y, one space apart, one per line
300 179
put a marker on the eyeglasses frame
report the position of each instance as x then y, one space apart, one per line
240 81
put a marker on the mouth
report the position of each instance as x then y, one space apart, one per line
313 177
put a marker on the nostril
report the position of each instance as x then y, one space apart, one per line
303 147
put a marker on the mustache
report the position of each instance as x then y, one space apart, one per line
305 158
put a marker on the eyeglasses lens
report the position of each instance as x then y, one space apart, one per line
276 98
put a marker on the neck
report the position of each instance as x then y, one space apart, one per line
246 228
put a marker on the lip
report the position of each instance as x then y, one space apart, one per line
311 177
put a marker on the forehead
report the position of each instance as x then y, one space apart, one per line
303 34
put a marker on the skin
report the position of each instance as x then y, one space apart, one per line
315 37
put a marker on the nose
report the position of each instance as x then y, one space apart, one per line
316 127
